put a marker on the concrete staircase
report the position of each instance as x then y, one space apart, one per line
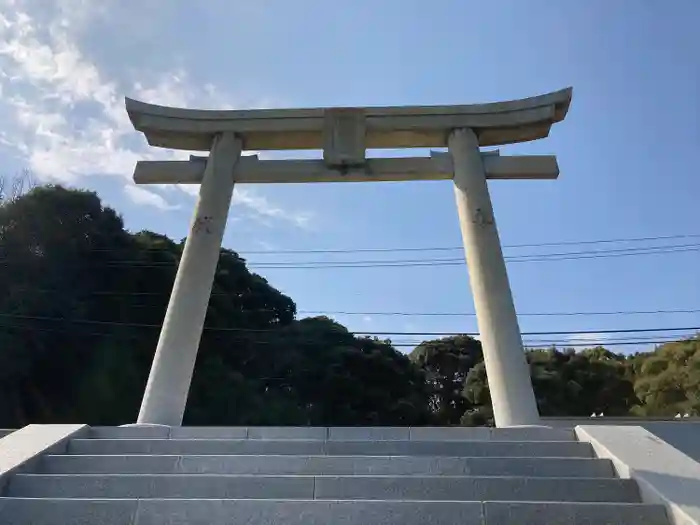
315 476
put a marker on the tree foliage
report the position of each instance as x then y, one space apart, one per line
566 383
667 381
82 301
447 363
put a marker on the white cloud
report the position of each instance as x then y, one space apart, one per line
592 338
258 207
265 245
190 189
64 114
141 195
69 120
265 210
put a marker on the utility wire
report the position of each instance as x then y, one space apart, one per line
286 339
397 263
570 332
451 248
583 339
443 248
368 333
453 262
121 293
530 314
544 343
460 261
512 258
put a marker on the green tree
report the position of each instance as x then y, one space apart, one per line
447 363
50 239
570 383
82 301
667 381
314 372
566 383
81 304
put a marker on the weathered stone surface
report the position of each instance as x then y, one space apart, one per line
664 474
364 476
516 513
330 465
30 442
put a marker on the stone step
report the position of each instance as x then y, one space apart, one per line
265 512
337 433
421 488
331 465
334 448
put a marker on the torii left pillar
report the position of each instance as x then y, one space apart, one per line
173 365
512 396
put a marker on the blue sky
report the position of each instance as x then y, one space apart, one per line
627 150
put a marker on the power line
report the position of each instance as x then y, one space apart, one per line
452 248
603 341
583 340
398 263
511 258
369 333
121 293
570 332
460 261
444 248
607 251
528 314
286 339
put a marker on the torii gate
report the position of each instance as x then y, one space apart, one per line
344 134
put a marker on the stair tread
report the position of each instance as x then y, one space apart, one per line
395 476
57 511
331 448
245 440
592 504
325 465
326 487
374 433
353 456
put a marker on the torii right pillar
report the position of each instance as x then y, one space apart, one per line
507 370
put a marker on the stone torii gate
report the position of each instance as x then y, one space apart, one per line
344 134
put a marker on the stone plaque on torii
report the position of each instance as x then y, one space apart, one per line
344 135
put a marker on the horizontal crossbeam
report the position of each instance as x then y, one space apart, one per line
436 167
382 127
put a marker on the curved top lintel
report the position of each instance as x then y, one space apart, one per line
386 127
